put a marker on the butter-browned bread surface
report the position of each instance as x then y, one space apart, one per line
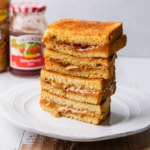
83 32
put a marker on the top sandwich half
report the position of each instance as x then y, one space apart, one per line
74 31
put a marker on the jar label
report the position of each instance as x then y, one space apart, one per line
26 52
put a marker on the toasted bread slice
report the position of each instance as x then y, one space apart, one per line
76 94
83 32
78 71
88 51
76 82
59 106
79 62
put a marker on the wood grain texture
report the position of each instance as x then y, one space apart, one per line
140 141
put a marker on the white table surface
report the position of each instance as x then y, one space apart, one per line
131 73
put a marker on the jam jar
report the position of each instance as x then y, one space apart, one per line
27 25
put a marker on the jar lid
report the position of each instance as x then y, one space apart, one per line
28 7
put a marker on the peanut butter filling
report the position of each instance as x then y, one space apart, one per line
71 88
56 110
79 47
72 67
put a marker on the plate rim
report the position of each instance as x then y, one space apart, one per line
25 126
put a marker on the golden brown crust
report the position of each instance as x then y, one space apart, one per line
85 83
83 32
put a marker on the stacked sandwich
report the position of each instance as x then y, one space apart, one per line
79 75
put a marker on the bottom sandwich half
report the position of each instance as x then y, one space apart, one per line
89 113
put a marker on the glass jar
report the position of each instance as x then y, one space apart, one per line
4 47
27 25
4 34
4 10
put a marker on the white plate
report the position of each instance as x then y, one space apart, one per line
130 114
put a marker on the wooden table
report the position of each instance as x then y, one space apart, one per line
140 141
